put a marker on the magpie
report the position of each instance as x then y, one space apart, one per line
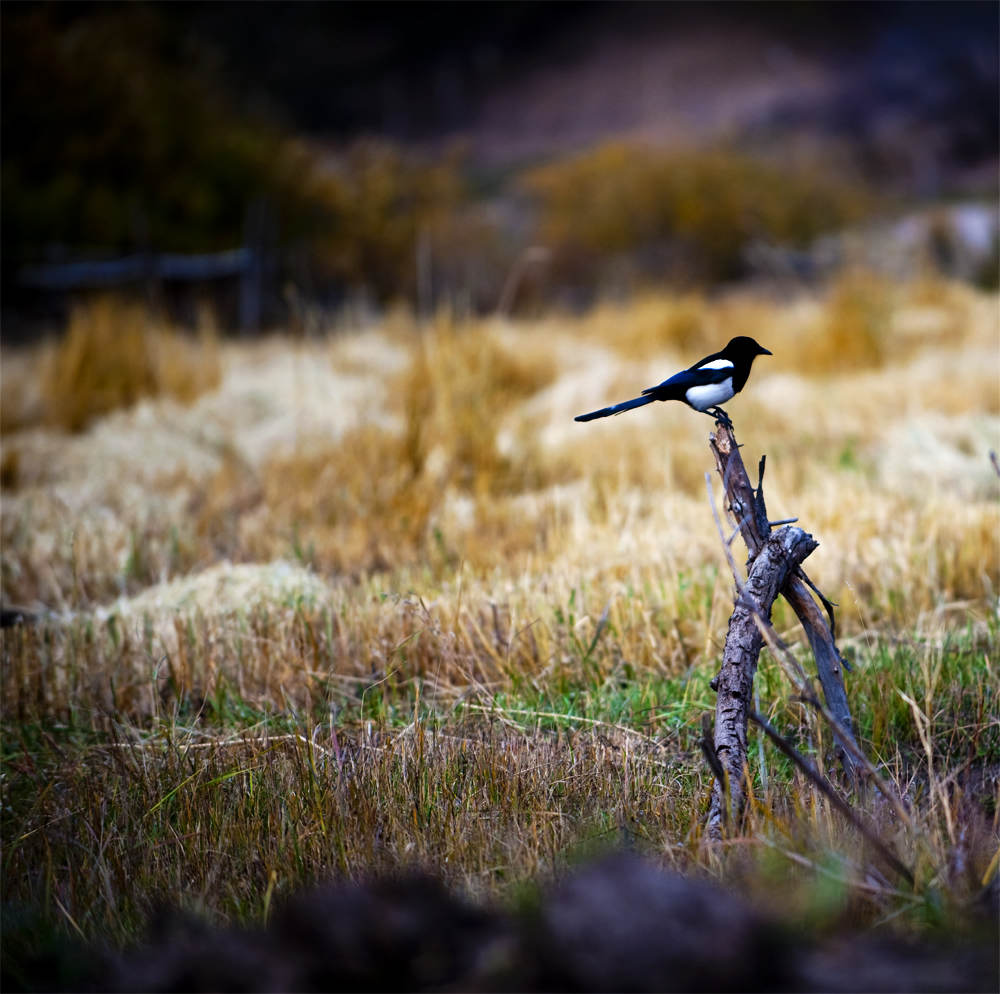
704 386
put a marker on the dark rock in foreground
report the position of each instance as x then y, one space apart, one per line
620 924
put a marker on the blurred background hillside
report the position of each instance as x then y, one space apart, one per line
276 162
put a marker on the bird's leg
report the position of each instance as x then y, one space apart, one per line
720 415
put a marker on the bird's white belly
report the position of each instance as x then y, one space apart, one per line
711 394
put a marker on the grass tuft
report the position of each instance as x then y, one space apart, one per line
112 356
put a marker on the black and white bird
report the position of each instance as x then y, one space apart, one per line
704 386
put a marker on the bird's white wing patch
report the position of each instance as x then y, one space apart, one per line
717 364
703 397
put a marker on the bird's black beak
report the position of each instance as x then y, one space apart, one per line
762 351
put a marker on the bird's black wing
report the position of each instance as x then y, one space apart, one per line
697 376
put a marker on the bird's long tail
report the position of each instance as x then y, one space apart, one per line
625 405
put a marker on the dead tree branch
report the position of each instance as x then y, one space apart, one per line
802 683
774 566
712 758
838 802
778 558
749 512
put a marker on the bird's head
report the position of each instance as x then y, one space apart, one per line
745 347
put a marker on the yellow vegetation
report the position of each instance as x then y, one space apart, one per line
113 355
700 207
382 586
444 459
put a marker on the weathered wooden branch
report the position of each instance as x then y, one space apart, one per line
749 511
712 758
805 693
782 573
777 559
835 799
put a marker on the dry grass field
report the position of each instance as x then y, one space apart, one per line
372 599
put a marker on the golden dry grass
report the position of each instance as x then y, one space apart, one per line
111 356
405 527
448 456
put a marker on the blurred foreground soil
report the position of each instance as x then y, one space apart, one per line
618 924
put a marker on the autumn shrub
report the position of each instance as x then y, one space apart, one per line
82 154
103 107
686 214
381 201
